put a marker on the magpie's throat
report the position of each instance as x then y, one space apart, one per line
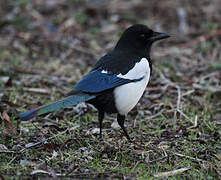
148 50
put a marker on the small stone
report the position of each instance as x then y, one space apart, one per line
95 131
115 125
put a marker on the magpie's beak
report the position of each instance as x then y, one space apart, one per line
158 36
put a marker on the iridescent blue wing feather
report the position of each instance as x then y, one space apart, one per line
96 82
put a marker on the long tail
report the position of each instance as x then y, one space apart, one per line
55 106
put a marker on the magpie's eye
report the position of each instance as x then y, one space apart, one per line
142 36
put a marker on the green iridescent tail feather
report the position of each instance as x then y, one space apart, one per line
55 106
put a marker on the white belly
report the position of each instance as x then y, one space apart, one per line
128 95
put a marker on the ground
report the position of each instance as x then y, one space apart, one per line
47 46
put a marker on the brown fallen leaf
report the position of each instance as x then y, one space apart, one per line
6 119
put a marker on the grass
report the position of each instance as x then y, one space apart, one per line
69 146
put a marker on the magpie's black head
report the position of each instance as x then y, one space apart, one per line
139 37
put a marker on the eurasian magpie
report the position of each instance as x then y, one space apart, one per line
116 82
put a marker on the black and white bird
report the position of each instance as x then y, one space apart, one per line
116 82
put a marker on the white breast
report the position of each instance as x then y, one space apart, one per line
128 95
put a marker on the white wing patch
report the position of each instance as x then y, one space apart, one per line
128 95
104 72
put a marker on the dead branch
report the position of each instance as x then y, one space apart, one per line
200 39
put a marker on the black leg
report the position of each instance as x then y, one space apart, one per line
100 119
120 120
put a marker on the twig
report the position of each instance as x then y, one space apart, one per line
155 115
206 88
171 173
33 90
196 120
25 71
195 123
184 115
200 39
188 93
12 159
178 97
177 104
7 152
189 157
36 90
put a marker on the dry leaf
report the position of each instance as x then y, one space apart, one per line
7 121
